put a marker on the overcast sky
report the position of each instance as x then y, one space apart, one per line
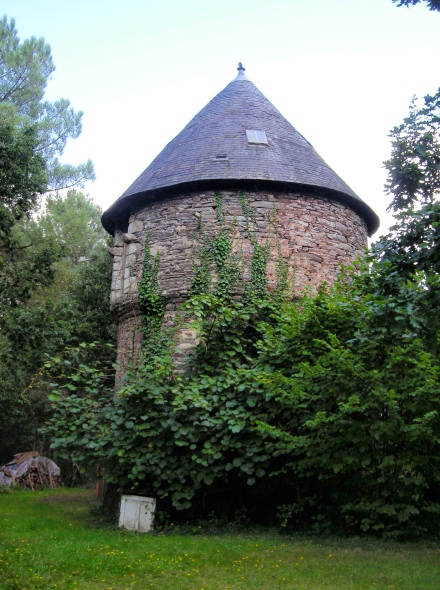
342 72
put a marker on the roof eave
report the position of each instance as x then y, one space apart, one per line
117 216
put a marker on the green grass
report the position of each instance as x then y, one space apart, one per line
49 540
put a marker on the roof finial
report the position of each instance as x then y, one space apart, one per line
241 75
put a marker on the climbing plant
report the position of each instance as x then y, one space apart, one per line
218 269
152 304
218 263
215 266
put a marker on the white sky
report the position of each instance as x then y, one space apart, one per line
342 72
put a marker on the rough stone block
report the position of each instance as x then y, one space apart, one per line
118 238
133 248
135 226
127 238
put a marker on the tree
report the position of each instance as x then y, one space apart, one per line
53 295
54 268
33 131
414 166
73 221
23 175
409 253
432 4
25 69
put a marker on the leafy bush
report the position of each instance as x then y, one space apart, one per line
327 409
322 412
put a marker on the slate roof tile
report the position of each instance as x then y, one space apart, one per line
220 129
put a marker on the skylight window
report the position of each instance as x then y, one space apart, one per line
256 136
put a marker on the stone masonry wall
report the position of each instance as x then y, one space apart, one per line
316 236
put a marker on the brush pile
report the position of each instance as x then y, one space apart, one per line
30 471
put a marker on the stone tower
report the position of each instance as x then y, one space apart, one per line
239 144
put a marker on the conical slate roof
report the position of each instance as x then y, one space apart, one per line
214 150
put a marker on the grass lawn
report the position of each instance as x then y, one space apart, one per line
49 540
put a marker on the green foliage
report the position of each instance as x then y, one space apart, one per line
215 265
25 68
323 413
219 266
23 272
53 294
23 175
362 395
260 258
39 270
319 407
414 166
284 277
202 269
432 4
257 286
406 269
152 303
405 262
219 208
30 332
73 221
85 302
226 266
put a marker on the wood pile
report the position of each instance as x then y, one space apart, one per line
30 471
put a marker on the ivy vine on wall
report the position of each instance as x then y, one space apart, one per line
218 267
152 304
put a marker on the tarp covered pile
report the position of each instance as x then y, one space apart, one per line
31 471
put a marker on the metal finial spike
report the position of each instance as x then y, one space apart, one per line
241 75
